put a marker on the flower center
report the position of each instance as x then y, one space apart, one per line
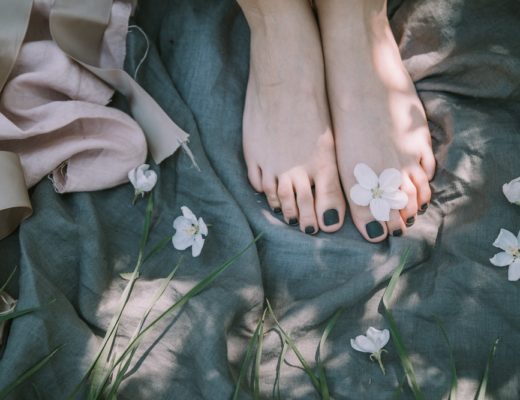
377 192
514 251
192 230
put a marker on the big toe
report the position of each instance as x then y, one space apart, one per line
372 230
329 201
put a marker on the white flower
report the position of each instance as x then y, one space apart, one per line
380 193
189 232
512 191
142 179
372 343
511 254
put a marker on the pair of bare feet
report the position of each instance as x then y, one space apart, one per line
328 90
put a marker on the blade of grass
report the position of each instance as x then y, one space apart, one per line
98 367
396 336
258 358
453 368
158 294
246 361
28 373
314 379
16 314
324 388
159 246
482 387
185 298
11 275
281 358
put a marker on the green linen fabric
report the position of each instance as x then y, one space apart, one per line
465 59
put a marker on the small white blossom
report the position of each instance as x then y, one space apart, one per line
512 191
511 254
142 179
381 193
189 232
372 343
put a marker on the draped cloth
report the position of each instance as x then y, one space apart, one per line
60 64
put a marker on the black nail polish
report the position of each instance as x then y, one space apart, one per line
330 217
423 209
309 230
293 221
397 232
374 229
410 221
277 210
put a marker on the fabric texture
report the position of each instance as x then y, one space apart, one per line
53 112
465 59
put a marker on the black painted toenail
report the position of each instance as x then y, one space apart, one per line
330 217
423 209
277 210
397 232
309 230
410 221
293 221
374 229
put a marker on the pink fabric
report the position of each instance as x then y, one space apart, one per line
53 112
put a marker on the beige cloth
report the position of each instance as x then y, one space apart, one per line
53 114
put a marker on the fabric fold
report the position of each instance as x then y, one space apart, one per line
15 205
78 26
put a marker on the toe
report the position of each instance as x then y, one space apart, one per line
396 225
305 202
428 164
408 213
287 199
422 186
372 230
255 177
269 187
329 201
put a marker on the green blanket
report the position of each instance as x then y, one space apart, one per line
464 56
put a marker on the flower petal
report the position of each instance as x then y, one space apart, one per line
198 243
360 195
390 180
512 190
397 199
181 241
506 240
365 176
203 227
182 223
188 214
502 259
513 274
380 209
362 343
379 338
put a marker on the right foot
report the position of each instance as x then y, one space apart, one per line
378 117
287 137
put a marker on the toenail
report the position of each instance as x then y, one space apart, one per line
397 232
374 229
277 210
293 221
423 209
309 230
330 217
410 221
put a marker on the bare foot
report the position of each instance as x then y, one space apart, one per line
288 142
378 118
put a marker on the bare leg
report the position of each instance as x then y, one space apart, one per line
377 116
287 138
